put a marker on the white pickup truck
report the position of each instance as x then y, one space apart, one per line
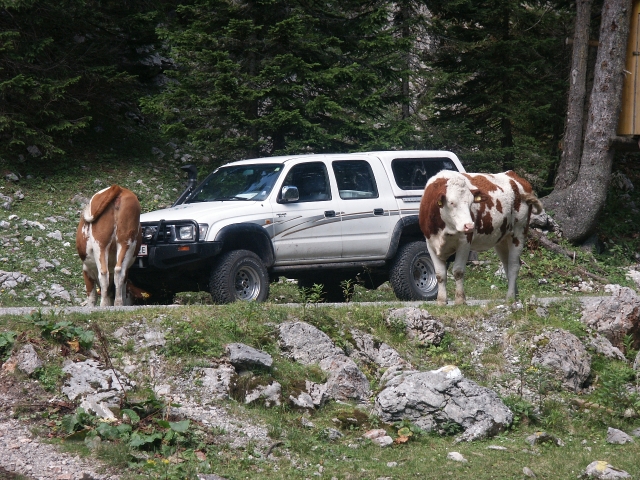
320 219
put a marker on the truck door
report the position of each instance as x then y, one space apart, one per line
367 206
308 229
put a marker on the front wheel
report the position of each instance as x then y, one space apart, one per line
239 275
412 275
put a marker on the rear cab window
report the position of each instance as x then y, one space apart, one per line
355 179
413 173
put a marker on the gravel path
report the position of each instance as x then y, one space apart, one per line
21 452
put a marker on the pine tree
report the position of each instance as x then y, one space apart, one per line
262 77
502 95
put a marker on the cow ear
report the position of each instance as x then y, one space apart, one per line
441 200
477 196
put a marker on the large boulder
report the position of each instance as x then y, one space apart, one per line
370 350
616 316
243 356
305 343
308 345
99 388
435 399
419 324
565 355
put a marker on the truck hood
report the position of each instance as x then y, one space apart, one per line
205 212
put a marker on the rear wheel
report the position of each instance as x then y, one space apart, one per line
239 275
412 275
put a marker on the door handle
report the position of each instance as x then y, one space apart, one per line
378 211
329 213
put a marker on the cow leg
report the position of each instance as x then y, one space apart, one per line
103 277
90 286
509 250
125 258
459 266
440 267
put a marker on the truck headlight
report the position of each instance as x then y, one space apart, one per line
202 231
186 233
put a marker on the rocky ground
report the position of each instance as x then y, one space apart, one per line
431 399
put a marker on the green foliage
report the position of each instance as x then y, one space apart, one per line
275 77
7 340
501 95
523 411
63 67
611 389
49 376
62 331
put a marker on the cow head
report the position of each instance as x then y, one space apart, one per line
455 206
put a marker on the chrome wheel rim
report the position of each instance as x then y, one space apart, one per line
424 275
247 283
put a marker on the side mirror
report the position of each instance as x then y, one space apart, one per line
289 194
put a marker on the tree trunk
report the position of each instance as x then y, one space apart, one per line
572 144
577 207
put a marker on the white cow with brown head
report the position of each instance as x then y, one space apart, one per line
460 212
108 240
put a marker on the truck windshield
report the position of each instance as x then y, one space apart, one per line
238 183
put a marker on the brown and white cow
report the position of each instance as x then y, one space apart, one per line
108 240
460 212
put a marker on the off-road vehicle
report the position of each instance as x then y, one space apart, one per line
320 219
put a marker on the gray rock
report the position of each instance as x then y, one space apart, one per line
317 392
636 365
270 394
244 356
332 434
6 201
346 381
90 376
154 338
601 469
303 400
618 437
11 177
379 437
373 351
305 343
55 235
12 279
58 291
216 381
565 355
431 399
539 438
615 316
27 359
636 432
420 325
604 347
210 476
456 457
497 447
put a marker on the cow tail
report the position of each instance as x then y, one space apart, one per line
533 201
99 202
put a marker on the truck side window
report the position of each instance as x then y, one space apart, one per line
355 179
413 173
312 181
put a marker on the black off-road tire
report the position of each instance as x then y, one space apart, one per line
239 275
412 274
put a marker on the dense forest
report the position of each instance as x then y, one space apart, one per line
233 79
